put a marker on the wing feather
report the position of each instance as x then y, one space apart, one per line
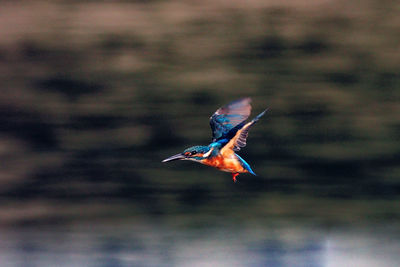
229 116
239 139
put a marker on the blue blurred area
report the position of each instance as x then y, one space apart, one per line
155 244
95 94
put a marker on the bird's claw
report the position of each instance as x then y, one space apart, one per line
234 175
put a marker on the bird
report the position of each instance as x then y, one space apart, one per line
229 134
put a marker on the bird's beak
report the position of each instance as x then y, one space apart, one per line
174 157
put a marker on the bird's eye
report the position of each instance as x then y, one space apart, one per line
194 152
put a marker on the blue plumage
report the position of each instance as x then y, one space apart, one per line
229 116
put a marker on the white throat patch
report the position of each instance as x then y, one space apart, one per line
208 153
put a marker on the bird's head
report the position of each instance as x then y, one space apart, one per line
194 153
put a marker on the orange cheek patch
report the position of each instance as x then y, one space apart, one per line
195 155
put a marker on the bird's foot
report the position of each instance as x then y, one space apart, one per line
234 175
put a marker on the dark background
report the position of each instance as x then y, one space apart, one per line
95 94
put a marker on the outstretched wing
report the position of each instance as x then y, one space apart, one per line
227 117
238 140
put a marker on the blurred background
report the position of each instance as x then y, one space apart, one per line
93 95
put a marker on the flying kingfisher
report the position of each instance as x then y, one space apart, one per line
229 133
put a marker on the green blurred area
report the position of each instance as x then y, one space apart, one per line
94 95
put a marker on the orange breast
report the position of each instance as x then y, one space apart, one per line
230 164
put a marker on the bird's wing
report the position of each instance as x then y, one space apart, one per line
239 138
227 117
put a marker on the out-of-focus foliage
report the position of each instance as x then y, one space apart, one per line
94 95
